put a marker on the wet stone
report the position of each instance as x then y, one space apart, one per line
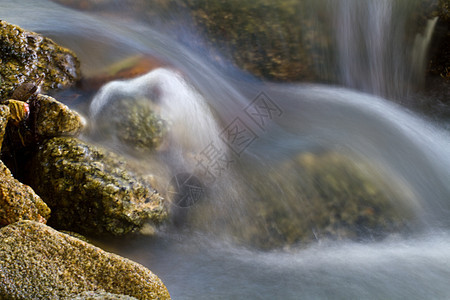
27 57
19 201
92 190
4 118
38 262
54 118
136 123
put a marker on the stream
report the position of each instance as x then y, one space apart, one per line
200 259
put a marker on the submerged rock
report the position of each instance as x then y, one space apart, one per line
92 190
333 198
136 123
26 56
19 201
38 262
311 197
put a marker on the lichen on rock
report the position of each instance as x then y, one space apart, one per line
19 201
4 118
135 122
54 118
92 190
27 56
38 262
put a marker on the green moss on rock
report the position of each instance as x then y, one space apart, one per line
19 201
26 56
38 262
92 190
4 118
134 122
285 40
56 119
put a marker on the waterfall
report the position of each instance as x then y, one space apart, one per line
376 51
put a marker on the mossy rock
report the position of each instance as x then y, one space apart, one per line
27 56
286 40
92 190
134 122
38 262
18 201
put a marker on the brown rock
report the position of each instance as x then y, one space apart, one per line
38 262
92 190
19 201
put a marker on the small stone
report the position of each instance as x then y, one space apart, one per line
56 119
38 262
92 190
19 201
136 123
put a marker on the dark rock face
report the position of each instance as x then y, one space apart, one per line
92 190
19 201
285 40
440 59
38 262
26 56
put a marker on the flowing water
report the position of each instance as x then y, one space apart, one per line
200 99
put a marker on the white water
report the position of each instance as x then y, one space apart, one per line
374 53
411 153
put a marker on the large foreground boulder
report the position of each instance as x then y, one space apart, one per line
26 56
38 262
92 190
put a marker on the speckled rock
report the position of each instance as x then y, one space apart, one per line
4 117
38 262
19 201
47 118
56 119
286 40
92 190
136 123
26 56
